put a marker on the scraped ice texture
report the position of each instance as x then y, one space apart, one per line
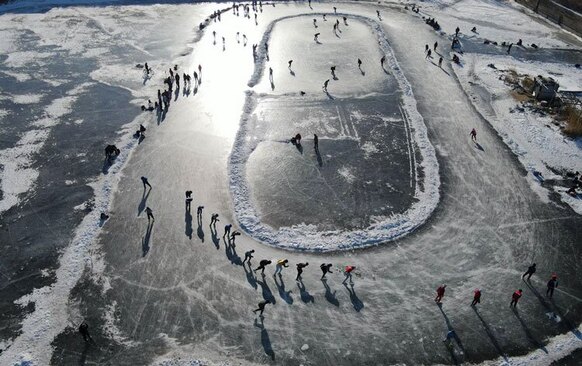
306 237
536 141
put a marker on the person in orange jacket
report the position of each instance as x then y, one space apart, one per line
348 272
476 297
515 297
440 293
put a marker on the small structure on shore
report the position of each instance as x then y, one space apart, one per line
544 88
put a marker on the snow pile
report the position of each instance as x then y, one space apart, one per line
306 237
538 143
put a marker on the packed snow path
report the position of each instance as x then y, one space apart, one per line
188 296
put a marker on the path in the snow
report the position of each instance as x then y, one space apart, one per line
191 295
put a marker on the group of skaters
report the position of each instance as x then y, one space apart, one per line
551 285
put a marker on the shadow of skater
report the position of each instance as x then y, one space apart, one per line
356 302
528 331
144 199
265 341
330 296
285 295
267 294
83 358
304 294
450 327
188 220
479 147
251 279
214 236
230 252
490 334
145 243
319 159
200 232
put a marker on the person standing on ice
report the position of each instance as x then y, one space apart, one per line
515 297
457 32
233 237
473 134
325 85
325 20
359 64
552 284
316 143
316 37
290 62
150 214
248 257
147 69
315 23
345 21
435 46
145 183
279 267
440 293
333 72
378 14
214 219
84 330
509 48
262 264
530 271
476 297
348 272
300 267
325 268
382 61
227 230
425 48
261 307
334 10
440 62
428 54
188 200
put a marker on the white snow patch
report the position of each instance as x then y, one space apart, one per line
369 149
27 98
345 172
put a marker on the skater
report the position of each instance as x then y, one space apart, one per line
382 61
333 72
248 256
530 271
214 219
233 237
325 268
552 284
378 14
440 293
435 46
428 54
325 85
290 62
334 10
440 62
348 272
279 267
315 23
300 267
509 48
188 200
147 69
261 307
450 335
425 48
199 210
262 264
227 230
359 64
325 20
473 135
84 330
515 297
150 214
457 32
316 143
345 21
271 73
316 37
145 182
476 297
177 81
103 216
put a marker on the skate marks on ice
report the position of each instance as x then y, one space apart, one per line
308 237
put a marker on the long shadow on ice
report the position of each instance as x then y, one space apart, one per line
145 243
491 335
285 295
142 203
265 340
527 331
356 302
251 279
188 220
267 294
303 293
329 296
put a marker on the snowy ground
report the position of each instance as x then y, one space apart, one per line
175 293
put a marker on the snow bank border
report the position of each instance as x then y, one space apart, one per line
306 237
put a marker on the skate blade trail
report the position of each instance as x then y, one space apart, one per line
534 222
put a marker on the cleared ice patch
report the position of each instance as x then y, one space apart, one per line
346 174
369 149
27 98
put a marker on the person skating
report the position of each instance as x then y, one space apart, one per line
145 183
476 297
325 269
188 200
425 48
457 32
316 37
261 307
84 330
147 69
440 293
435 46
530 271
348 272
345 21
279 267
378 13
515 297
428 54
289 63
315 142
509 48
332 71
315 23
248 257
300 267
552 284
359 64
473 135
334 10
214 219
262 264
150 214
325 85
227 230
199 210
440 62
382 61
325 20
233 237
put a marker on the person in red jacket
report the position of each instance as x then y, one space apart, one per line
515 297
440 293
348 273
476 297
